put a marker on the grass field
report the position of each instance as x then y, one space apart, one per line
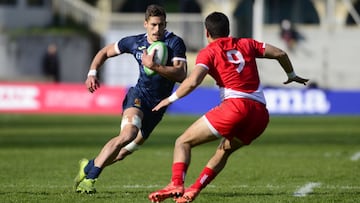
317 158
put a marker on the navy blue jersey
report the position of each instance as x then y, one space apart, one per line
153 89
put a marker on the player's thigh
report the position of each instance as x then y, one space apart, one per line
256 122
132 111
149 122
197 133
131 122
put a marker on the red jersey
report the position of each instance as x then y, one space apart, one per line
232 63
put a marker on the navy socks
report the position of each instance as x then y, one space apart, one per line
89 166
92 171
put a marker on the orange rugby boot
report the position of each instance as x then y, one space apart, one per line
169 191
188 196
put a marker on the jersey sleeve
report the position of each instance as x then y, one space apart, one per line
124 44
204 59
258 47
179 48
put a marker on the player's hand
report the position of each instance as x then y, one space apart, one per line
147 59
297 79
163 103
92 83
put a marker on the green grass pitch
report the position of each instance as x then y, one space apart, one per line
314 156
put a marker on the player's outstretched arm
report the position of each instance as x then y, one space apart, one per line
281 56
188 85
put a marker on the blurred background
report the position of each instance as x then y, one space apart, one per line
51 42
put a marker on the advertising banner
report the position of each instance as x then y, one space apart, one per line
59 98
280 101
75 99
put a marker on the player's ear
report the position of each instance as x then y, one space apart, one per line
207 33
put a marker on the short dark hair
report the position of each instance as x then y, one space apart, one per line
154 10
217 24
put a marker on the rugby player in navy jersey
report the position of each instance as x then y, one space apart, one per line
138 119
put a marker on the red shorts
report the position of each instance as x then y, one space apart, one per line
242 118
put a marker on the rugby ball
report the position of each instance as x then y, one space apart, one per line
160 57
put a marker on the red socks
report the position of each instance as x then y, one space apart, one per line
178 176
178 170
206 176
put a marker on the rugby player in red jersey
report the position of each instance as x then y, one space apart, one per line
239 119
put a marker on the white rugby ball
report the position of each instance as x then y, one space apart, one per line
160 57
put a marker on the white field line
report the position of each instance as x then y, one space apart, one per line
139 186
355 156
306 189
136 186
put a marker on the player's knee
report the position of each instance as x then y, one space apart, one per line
229 146
182 142
135 120
225 149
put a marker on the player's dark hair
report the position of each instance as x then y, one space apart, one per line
154 10
217 24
